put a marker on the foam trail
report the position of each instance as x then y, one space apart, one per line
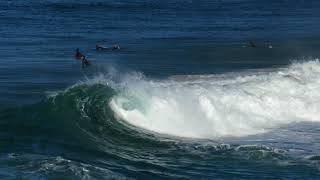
210 107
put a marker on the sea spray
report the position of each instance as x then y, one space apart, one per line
218 107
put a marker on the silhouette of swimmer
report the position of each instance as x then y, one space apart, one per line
85 62
252 44
80 56
101 48
115 47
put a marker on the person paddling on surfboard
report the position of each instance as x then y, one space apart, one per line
115 47
102 48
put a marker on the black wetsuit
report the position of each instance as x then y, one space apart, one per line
79 55
115 47
85 62
101 48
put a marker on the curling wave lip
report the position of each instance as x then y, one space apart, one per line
212 107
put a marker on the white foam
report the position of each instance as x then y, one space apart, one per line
217 107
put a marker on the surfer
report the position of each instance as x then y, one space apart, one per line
80 56
115 47
85 62
101 48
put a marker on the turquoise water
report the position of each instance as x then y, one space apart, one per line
185 97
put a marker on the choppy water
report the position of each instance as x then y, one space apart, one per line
184 98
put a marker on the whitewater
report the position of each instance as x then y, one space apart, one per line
224 105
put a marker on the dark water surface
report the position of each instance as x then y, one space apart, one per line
185 97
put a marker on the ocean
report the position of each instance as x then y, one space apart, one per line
186 96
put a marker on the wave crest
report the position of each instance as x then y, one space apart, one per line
222 105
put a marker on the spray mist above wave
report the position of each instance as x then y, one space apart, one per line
219 106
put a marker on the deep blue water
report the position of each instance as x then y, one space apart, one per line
185 97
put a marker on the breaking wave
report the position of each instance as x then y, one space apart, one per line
214 106
91 129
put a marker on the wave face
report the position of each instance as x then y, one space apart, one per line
120 127
223 105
